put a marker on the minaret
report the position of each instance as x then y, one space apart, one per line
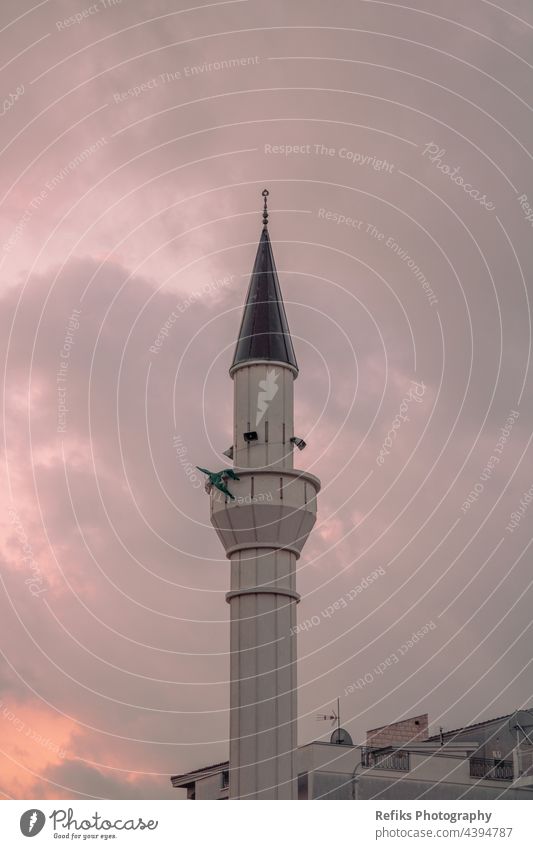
263 529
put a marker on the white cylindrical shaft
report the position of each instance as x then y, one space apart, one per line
263 529
264 404
263 737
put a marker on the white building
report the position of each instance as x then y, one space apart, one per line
399 761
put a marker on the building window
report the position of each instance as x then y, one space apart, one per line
225 779
303 785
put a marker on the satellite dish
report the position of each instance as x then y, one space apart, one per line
521 719
341 737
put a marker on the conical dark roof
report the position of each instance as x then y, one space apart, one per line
264 333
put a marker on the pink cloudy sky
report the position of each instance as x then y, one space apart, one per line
114 630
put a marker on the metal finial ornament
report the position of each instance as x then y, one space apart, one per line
265 194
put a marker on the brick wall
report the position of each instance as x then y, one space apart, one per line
406 731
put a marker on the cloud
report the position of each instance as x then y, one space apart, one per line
122 296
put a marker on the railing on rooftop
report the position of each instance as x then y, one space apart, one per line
394 760
491 769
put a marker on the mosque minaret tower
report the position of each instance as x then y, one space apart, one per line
263 510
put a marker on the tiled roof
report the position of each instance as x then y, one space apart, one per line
475 725
220 766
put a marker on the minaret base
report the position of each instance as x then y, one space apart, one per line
263 731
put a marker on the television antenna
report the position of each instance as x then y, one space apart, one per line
334 718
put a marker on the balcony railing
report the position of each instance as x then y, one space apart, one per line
395 760
491 769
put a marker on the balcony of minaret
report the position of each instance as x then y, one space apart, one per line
270 510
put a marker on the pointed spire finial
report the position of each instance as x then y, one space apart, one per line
264 332
265 194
